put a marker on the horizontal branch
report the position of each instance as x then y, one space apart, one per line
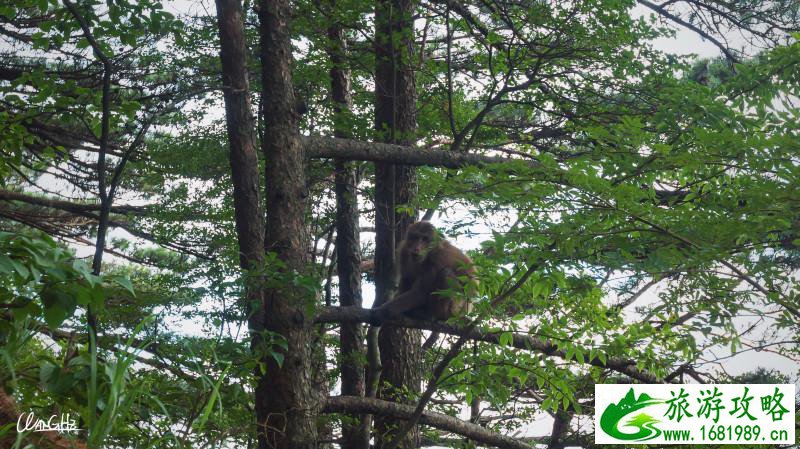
68 206
359 405
573 440
356 150
88 211
520 341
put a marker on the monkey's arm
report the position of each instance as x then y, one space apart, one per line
413 298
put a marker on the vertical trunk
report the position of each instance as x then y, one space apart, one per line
348 250
243 159
561 427
241 134
394 186
287 401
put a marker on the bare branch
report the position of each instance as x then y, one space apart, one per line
69 206
352 404
664 13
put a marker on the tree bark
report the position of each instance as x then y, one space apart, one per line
561 427
241 134
348 246
395 122
287 400
244 166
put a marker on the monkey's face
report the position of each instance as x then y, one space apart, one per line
419 240
419 247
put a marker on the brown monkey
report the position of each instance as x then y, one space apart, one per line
429 267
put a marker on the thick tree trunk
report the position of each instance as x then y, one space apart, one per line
287 401
243 158
395 122
348 247
241 133
560 430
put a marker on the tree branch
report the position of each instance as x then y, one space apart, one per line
520 341
355 150
353 405
69 206
105 200
677 19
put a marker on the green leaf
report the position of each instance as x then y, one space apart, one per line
83 296
55 315
201 421
20 268
8 11
6 265
46 371
506 339
126 283
4 430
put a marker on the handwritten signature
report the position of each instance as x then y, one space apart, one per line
29 422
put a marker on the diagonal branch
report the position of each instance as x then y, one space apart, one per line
520 341
355 405
772 294
677 19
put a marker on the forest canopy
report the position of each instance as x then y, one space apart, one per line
201 202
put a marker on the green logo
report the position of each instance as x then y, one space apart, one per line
613 415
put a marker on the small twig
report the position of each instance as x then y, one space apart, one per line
639 293
663 12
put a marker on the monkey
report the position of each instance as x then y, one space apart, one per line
429 266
